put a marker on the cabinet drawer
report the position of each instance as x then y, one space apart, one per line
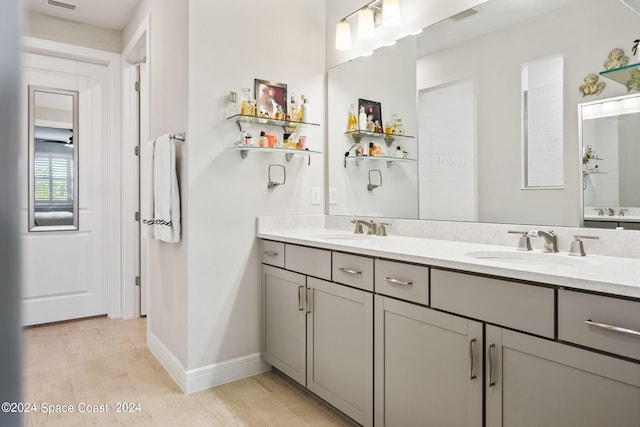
574 308
353 270
309 261
272 253
527 308
405 281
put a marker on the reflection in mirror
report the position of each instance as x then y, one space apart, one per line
53 159
388 77
472 164
610 153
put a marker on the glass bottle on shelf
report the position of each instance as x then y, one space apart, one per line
352 124
293 108
245 103
233 107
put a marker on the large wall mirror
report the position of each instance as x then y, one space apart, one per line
53 159
610 154
494 108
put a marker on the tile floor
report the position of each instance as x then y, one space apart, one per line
102 361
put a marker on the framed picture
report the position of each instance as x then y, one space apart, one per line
371 108
270 97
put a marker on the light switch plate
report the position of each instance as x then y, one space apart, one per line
333 196
315 195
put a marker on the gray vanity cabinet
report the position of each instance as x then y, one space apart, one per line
532 382
318 332
283 343
340 348
428 366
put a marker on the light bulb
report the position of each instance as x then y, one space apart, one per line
391 13
365 24
343 35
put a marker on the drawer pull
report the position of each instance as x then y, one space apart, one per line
490 362
612 327
472 362
271 253
397 282
308 300
300 307
349 271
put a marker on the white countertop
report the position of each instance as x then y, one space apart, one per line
611 275
617 218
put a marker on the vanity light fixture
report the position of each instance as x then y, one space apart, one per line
343 35
391 13
365 24
368 19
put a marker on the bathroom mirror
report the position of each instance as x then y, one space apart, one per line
470 67
53 159
609 161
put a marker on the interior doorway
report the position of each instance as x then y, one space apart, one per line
135 114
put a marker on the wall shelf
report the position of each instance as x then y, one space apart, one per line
289 126
388 137
288 152
622 75
389 159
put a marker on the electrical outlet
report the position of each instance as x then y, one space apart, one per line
315 195
333 196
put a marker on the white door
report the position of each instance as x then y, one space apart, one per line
64 272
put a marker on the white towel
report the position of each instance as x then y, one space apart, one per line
166 197
160 198
146 189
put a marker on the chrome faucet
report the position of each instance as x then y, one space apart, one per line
371 226
550 239
611 211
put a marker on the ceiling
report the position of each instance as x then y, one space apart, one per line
113 14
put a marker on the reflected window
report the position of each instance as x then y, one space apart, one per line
542 123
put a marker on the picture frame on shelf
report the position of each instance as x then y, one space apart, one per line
270 97
371 108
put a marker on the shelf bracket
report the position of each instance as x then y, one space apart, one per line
389 163
244 154
356 137
389 140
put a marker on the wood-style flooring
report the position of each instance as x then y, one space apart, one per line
104 362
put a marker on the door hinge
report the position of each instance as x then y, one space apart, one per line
137 86
137 150
137 216
138 281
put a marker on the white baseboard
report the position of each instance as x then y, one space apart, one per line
168 360
224 372
207 376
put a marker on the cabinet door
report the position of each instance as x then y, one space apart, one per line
340 348
535 382
428 367
284 321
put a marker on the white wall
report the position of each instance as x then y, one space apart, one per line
495 60
281 41
65 31
10 137
168 64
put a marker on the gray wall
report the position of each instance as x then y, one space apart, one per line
10 333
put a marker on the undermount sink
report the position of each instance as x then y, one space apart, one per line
526 258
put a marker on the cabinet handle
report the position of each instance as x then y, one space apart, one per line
308 300
349 271
271 253
472 362
398 282
612 327
490 362
300 307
